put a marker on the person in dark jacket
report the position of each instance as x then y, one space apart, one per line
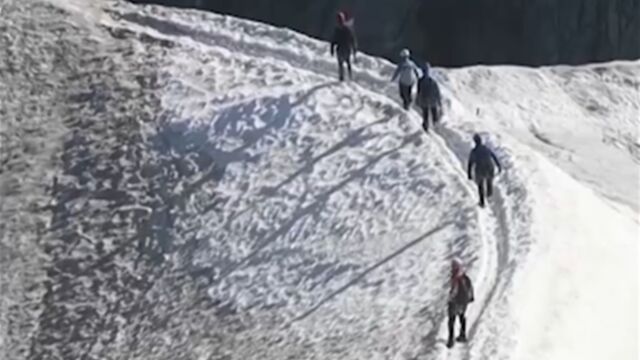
429 98
344 44
482 160
460 295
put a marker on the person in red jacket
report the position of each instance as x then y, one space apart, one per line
460 295
344 43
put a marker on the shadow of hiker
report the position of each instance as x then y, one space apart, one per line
433 317
373 267
192 155
355 138
208 149
243 120
221 265
196 154
301 212
313 90
191 150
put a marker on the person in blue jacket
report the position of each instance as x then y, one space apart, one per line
482 160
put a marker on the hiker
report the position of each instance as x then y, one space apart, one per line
482 160
344 44
460 295
429 99
407 74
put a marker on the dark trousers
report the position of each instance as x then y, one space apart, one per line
457 311
405 95
433 110
485 185
342 60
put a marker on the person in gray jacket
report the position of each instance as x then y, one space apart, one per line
407 73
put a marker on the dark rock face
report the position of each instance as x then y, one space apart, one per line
462 32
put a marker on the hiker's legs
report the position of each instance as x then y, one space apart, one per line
434 114
425 119
405 94
340 68
451 313
463 327
481 180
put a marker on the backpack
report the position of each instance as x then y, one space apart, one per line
464 294
484 160
428 92
408 73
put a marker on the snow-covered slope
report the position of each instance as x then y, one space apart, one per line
584 119
184 185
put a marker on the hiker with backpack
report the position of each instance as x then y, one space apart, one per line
344 43
407 74
482 160
460 295
429 99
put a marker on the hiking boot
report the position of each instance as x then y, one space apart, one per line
450 343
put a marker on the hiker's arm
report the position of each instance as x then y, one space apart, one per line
470 163
495 158
396 73
334 42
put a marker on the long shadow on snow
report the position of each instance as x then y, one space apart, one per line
188 152
355 138
373 267
206 158
314 208
194 153
327 271
195 144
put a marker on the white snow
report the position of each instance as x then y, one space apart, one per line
327 217
584 119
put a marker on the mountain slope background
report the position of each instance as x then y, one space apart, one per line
461 33
180 184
